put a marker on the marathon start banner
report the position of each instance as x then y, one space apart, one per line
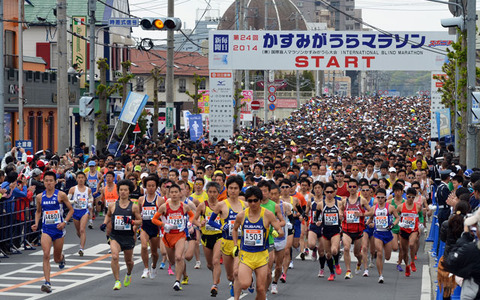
327 50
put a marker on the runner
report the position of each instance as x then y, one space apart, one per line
94 177
367 239
396 202
211 236
315 242
174 211
254 223
409 213
149 235
354 209
331 214
280 242
49 208
382 219
119 221
109 192
80 196
227 210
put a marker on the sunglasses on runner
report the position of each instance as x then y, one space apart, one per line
352 187
253 200
285 187
329 192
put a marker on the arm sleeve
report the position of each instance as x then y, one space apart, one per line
191 215
212 222
156 219
317 215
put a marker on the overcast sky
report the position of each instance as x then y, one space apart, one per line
392 15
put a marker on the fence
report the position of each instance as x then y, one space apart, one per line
16 218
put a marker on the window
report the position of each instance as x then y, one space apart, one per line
161 86
203 85
140 82
182 85
39 130
10 58
53 56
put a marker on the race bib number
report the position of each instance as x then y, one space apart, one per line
81 203
351 218
51 217
408 223
110 201
331 219
177 221
210 228
120 225
148 212
253 237
92 183
230 227
381 222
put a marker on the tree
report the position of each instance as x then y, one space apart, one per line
197 80
103 92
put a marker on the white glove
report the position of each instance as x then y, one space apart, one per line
289 225
421 227
432 207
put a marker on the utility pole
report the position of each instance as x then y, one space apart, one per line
21 135
2 80
297 73
156 82
63 132
169 76
92 6
471 157
265 74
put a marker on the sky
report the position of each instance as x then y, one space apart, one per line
391 15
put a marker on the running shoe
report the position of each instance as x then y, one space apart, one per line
127 280
413 266
80 252
274 289
338 269
306 251
348 275
46 287
153 273
370 264
214 291
198 264
117 286
62 263
415 257
176 286
146 273
162 266
358 269
283 278
321 273
407 271
251 288
331 277
170 271
231 289
314 255
290 266
185 280
302 255
399 268
90 224
380 279
365 273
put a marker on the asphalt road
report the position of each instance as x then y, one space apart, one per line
90 277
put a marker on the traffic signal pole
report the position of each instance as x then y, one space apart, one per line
91 71
169 76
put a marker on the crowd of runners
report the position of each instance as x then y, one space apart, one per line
340 176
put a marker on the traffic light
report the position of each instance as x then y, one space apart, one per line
161 23
84 106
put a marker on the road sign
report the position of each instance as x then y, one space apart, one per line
123 22
255 105
272 98
25 144
271 107
272 89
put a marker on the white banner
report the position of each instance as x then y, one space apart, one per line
133 107
327 50
435 102
221 104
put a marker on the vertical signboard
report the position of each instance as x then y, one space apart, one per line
221 105
436 102
79 46
246 110
204 102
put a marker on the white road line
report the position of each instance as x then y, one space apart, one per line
426 289
241 296
95 250
19 294
78 273
393 258
23 287
23 279
96 268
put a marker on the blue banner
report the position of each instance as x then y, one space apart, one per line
133 107
195 126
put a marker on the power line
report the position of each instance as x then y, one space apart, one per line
116 9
